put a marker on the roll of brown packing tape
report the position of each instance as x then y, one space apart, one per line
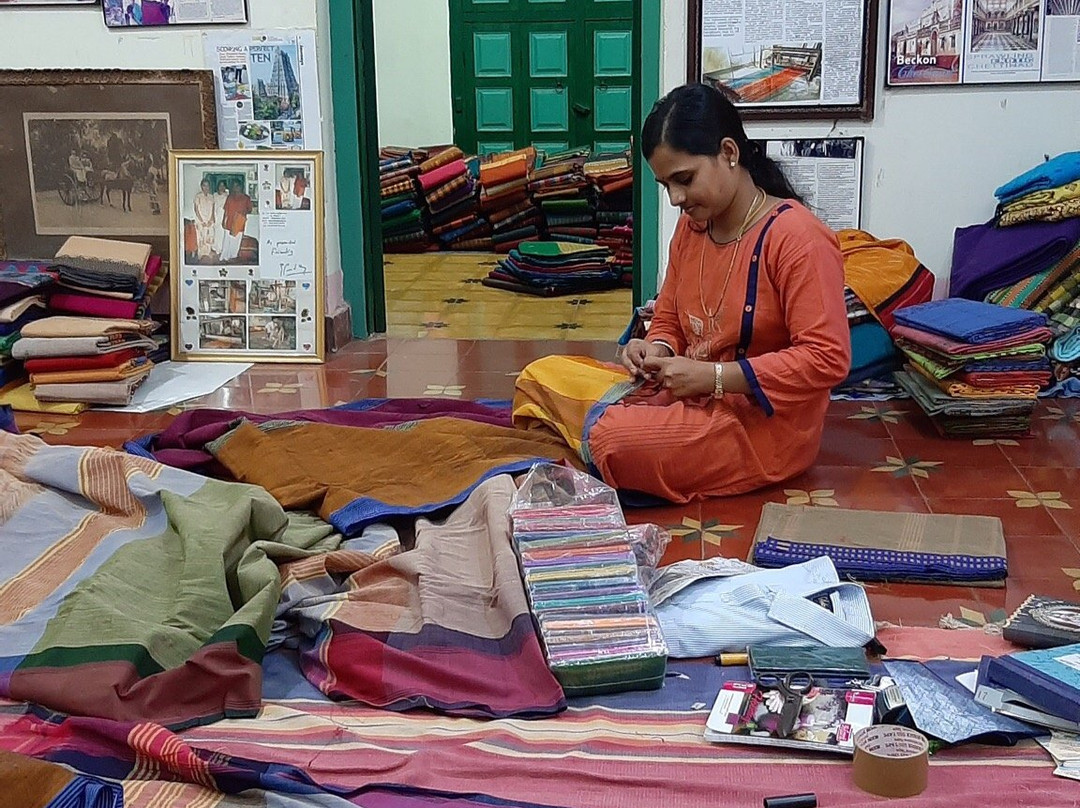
891 761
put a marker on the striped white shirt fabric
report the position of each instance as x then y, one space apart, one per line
717 606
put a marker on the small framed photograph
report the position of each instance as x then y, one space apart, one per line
247 244
153 13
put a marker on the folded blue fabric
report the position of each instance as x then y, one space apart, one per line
970 321
883 565
1064 168
1008 364
1066 348
1066 388
986 258
873 353
399 208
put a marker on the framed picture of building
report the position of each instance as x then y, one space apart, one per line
787 59
156 13
247 248
85 152
952 42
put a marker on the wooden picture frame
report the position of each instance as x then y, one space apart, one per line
248 256
84 152
863 109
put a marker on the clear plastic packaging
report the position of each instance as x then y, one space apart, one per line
585 574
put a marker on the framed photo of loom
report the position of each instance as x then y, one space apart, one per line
787 60
85 153
247 235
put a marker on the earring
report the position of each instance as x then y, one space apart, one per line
732 164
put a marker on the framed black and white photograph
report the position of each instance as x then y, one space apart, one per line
247 245
85 153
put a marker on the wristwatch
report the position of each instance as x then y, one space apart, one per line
718 380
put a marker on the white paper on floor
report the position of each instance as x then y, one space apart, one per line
175 382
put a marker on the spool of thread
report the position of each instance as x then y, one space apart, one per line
891 761
733 659
791 801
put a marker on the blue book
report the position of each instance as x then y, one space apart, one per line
1049 678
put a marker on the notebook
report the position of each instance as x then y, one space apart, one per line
1041 622
1048 678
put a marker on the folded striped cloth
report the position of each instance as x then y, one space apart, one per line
25 781
970 321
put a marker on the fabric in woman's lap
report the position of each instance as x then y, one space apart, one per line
683 450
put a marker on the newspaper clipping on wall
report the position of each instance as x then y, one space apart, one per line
267 90
795 53
827 173
983 41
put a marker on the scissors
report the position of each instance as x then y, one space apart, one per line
793 687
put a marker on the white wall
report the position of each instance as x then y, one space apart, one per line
412 73
76 36
933 157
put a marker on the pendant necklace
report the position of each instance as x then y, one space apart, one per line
753 210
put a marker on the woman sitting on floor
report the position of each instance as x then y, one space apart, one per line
729 388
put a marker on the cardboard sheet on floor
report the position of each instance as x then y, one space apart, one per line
885 546
176 382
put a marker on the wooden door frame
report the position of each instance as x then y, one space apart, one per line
356 146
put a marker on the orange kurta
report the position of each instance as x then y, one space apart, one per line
790 336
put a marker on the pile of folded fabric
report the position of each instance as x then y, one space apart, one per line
551 268
450 200
1028 256
976 369
86 359
562 191
402 221
1049 192
504 198
105 278
881 277
23 286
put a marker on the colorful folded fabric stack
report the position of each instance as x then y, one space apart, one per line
1050 192
23 289
105 278
403 226
550 268
564 194
504 198
969 359
450 200
85 359
594 616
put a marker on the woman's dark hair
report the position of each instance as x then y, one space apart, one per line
695 119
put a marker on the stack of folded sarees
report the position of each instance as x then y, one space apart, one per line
550 268
559 186
86 359
105 278
450 202
504 198
974 368
402 219
1049 192
23 287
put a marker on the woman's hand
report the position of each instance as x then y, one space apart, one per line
684 378
636 352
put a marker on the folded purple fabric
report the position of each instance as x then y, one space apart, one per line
986 257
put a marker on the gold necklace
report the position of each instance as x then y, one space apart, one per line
759 202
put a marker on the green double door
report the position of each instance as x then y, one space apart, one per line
555 74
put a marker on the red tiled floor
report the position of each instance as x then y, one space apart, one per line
875 456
